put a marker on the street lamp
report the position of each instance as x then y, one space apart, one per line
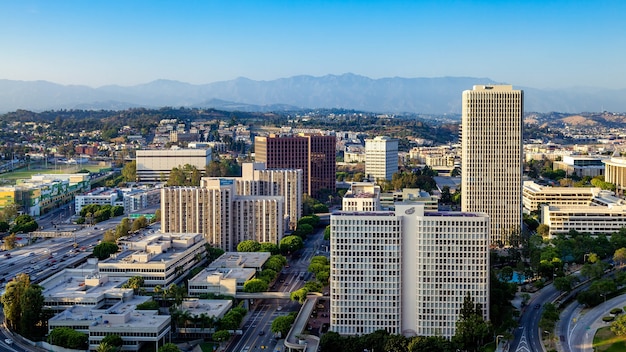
498 341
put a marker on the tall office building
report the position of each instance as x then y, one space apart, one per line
406 271
492 157
314 154
381 157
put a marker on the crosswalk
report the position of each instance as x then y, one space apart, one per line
523 344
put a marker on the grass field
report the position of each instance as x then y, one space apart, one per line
26 173
606 341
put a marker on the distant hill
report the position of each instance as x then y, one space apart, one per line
390 95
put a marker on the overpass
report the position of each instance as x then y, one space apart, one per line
263 295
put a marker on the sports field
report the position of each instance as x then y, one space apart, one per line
9 178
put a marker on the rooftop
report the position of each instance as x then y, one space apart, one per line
241 260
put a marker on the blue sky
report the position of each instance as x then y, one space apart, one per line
541 44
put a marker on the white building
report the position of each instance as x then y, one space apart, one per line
615 173
156 165
407 271
220 281
535 195
491 141
381 157
362 196
160 259
136 327
594 220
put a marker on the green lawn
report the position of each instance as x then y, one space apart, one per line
26 173
606 341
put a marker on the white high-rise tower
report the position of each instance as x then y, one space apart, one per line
492 160
381 157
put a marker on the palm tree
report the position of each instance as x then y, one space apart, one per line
104 347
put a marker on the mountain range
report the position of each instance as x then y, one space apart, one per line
440 95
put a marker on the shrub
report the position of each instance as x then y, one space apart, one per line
607 319
616 311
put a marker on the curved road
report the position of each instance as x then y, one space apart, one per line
582 328
526 336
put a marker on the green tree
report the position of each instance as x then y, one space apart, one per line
105 347
290 244
618 326
169 347
255 285
23 304
104 250
129 171
114 341
123 228
471 328
269 247
620 256
139 223
134 282
221 335
248 246
68 338
543 230
299 295
327 233
10 241
283 323
4 226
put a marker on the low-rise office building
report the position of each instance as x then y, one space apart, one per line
202 309
220 281
85 287
594 220
136 327
160 259
155 165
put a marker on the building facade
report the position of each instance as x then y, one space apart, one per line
223 217
406 271
381 158
492 157
156 165
314 154
615 173
257 180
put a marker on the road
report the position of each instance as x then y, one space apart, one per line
257 335
582 328
527 336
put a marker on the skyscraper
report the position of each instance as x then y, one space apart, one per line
313 153
491 170
381 157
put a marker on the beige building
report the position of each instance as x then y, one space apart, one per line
535 195
257 180
156 165
615 173
406 271
594 220
492 158
160 259
223 217
220 281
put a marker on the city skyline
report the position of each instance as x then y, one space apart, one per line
545 45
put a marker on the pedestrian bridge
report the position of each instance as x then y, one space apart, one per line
264 295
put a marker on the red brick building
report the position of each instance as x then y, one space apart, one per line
313 153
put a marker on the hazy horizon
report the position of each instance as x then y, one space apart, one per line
545 45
